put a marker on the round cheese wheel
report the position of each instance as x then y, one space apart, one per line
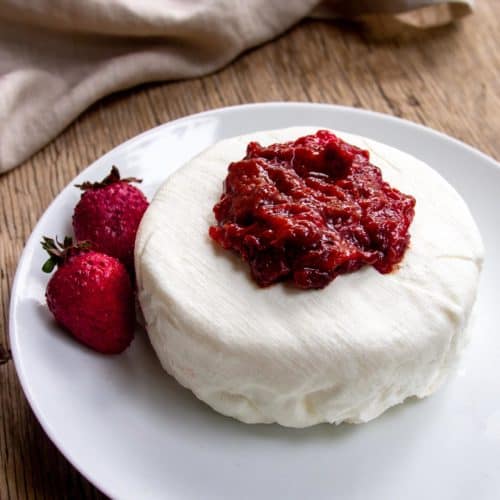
347 352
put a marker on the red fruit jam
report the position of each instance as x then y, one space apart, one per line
310 210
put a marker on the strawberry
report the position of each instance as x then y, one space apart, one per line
90 295
108 215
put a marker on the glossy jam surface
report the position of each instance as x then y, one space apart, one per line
309 210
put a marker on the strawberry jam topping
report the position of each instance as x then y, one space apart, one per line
310 210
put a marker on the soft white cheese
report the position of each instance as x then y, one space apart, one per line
345 353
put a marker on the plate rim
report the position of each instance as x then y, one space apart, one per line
21 267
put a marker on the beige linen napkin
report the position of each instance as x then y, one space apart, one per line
57 57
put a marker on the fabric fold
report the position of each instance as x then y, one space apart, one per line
57 57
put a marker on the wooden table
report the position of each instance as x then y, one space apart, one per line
448 79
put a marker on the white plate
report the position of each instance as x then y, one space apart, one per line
132 431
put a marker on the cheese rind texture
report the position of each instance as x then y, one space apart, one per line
347 352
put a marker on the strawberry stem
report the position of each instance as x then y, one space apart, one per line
60 251
112 178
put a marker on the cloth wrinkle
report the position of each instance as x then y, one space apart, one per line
58 57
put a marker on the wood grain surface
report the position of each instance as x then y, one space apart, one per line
446 78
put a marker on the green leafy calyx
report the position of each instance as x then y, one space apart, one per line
60 251
112 178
